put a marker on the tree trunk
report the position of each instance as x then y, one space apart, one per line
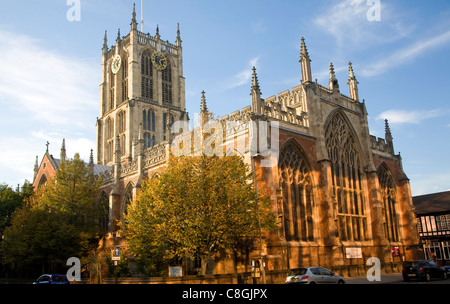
204 261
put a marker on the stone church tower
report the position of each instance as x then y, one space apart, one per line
142 85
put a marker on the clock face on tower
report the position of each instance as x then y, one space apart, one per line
159 61
115 67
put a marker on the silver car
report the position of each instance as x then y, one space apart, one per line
313 275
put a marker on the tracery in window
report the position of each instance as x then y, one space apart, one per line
121 117
149 124
347 180
112 88
109 139
146 75
388 195
124 79
127 199
167 84
297 195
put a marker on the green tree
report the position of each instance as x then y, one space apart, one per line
10 200
60 220
199 206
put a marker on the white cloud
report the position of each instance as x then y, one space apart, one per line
244 76
405 55
347 22
409 117
45 96
426 183
43 84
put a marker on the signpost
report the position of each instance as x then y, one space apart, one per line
115 255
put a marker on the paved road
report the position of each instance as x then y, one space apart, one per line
392 278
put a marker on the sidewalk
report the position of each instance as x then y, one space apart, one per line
385 279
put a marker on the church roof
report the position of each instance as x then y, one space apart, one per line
98 169
432 203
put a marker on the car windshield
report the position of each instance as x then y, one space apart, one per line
413 263
298 271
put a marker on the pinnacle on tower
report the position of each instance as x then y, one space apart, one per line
304 51
255 83
105 41
118 35
387 130
305 63
133 18
203 107
63 152
333 84
91 157
256 94
36 167
178 41
388 137
157 36
352 83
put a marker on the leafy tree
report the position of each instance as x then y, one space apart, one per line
58 221
199 206
10 200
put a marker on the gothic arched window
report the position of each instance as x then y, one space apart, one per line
127 199
103 218
109 139
347 180
146 75
124 79
149 124
112 87
297 194
42 181
167 84
121 117
388 194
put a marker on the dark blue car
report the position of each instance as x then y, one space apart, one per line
424 270
52 279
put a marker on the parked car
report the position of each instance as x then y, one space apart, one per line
447 269
52 279
313 275
424 269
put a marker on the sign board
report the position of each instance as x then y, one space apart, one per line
175 271
116 254
395 251
256 270
353 253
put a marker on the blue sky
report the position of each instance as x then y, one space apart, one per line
51 68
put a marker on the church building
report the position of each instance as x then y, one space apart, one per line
340 194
